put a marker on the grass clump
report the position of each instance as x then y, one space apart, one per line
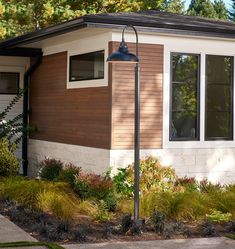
9 164
53 197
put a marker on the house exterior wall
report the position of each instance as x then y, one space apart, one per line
68 116
13 64
212 159
122 79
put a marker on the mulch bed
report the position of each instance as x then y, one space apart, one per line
45 227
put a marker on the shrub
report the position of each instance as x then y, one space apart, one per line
89 185
153 177
68 174
110 202
50 169
189 183
207 187
9 164
158 220
217 216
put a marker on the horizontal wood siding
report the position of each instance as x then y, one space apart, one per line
71 116
122 77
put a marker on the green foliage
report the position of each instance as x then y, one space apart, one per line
121 182
188 183
13 129
110 202
89 185
207 187
231 236
174 6
30 244
206 8
9 164
153 177
202 8
158 220
50 169
126 223
68 173
220 9
218 216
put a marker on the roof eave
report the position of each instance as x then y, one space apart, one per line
44 33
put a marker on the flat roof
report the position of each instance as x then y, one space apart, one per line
149 19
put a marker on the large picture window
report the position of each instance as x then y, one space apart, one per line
9 82
219 95
89 66
184 115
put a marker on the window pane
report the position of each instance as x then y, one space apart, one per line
87 66
219 97
9 83
184 97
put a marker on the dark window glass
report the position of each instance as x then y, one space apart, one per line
184 120
219 92
87 66
9 83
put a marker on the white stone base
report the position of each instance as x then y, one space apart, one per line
218 165
90 159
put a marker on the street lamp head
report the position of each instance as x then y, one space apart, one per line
122 55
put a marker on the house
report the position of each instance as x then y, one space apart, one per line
83 107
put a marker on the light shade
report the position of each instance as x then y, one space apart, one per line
122 55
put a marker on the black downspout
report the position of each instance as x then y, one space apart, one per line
27 74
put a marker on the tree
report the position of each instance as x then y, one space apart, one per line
202 8
220 9
232 12
174 6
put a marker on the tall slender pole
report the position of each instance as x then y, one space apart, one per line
123 55
137 143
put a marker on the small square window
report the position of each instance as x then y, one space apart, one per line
89 66
9 82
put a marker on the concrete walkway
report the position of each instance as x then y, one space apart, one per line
205 243
9 232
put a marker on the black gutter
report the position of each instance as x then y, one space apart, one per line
21 52
27 74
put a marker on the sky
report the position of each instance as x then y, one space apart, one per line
227 2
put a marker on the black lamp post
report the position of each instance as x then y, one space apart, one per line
120 56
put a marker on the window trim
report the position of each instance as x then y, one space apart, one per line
87 83
232 103
88 79
198 97
18 82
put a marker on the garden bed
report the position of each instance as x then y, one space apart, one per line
45 227
69 205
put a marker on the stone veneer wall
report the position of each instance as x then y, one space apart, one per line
218 165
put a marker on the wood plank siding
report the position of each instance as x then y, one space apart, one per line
72 116
122 77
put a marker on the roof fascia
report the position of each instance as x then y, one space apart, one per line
44 33
164 26
164 30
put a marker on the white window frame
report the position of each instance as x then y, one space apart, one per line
92 82
12 69
201 143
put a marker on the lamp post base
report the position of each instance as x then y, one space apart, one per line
137 226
